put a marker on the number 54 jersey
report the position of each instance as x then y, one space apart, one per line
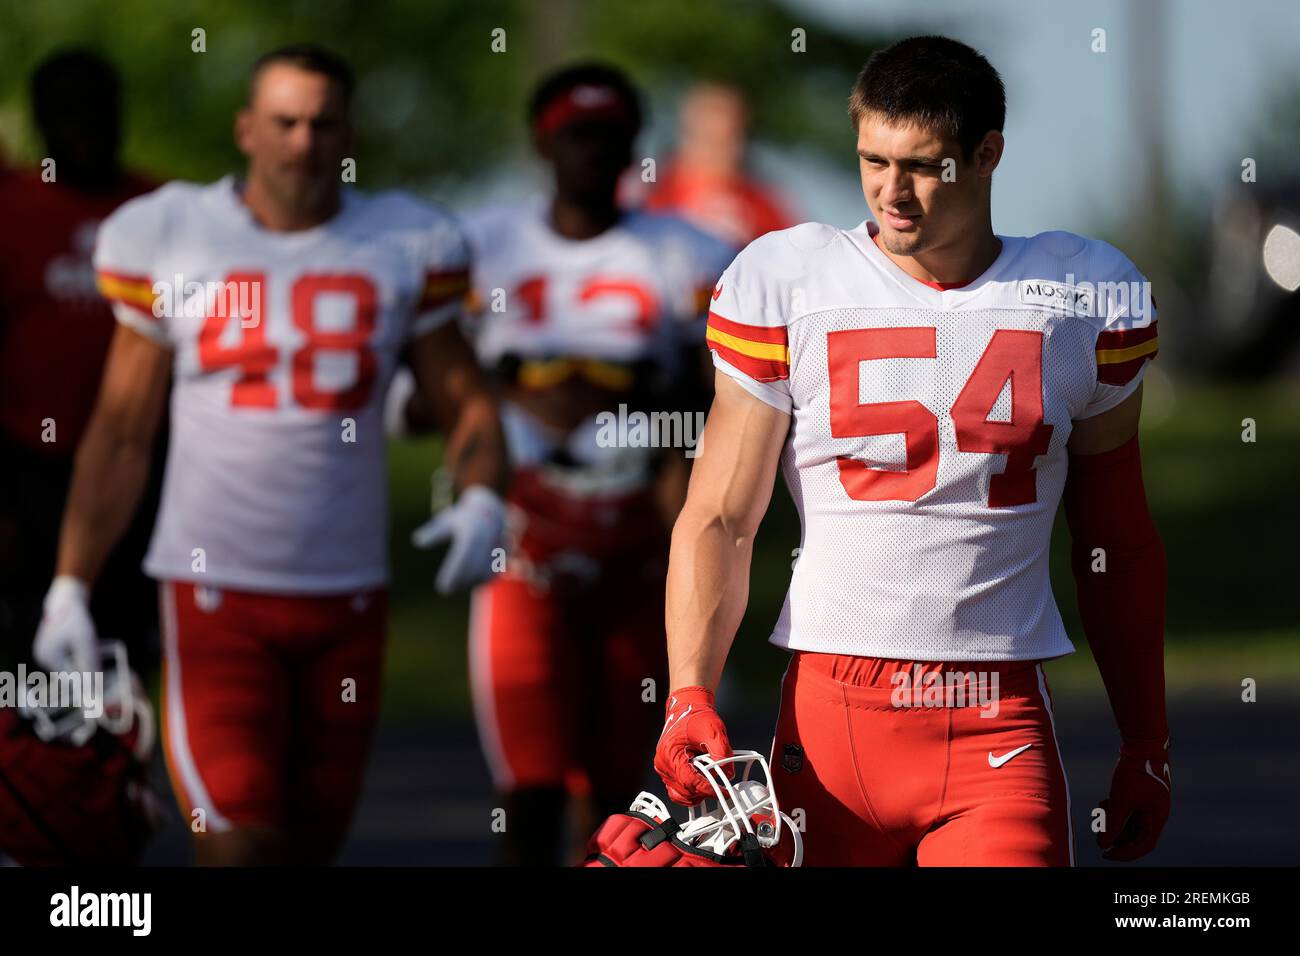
284 343
927 445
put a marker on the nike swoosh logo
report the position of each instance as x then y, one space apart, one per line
1157 779
671 718
996 762
717 292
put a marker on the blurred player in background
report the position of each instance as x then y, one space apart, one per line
55 331
932 391
706 181
582 308
278 306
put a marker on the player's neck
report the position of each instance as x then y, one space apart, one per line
574 220
278 216
953 264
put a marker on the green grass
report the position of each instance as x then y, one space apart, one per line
1229 513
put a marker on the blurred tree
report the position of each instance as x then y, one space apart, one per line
434 101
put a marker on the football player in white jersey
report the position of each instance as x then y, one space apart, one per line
932 391
585 308
277 308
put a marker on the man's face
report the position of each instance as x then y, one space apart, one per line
713 126
81 129
295 132
903 180
589 156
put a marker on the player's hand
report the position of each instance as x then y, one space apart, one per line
474 525
1138 805
691 727
66 639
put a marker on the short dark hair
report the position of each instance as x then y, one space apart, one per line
73 73
936 82
590 73
309 57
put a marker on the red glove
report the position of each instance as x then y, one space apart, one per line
691 727
1138 805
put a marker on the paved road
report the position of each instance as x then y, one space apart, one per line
1236 779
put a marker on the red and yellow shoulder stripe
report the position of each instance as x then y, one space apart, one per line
443 287
1120 353
133 291
761 352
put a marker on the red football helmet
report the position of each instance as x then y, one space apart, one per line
742 826
74 789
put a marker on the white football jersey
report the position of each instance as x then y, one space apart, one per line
284 345
927 443
638 291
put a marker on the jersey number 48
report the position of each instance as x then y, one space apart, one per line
256 358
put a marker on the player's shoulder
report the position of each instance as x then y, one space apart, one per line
19 185
410 221
664 226
673 239
167 200
803 242
759 287
784 256
146 222
1086 259
399 210
489 224
1104 283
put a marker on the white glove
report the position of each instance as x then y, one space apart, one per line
474 524
66 638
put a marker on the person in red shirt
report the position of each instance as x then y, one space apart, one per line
706 182
54 334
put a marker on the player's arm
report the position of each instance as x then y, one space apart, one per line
448 379
407 412
1120 574
116 453
111 470
708 574
453 393
713 539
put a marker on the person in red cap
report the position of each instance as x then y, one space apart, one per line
586 311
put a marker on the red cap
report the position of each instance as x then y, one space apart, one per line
586 101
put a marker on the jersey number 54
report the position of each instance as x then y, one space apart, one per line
1011 354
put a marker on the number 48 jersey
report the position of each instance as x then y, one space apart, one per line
284 343
927 445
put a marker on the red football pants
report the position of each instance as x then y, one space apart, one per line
259 726
559 683
880 784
